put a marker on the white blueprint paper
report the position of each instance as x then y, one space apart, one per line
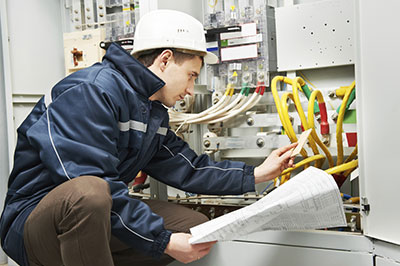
310 200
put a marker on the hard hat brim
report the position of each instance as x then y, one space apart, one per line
210 58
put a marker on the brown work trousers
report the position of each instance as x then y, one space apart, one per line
71 226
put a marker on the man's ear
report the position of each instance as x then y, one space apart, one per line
165 58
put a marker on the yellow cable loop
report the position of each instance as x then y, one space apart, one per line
317 94
348 172
342 167
304 162
228 89
352 155
285 178
232 91
212 6
339 124
300 111
341 91
305 78
291 134
277 99
285 114
278 105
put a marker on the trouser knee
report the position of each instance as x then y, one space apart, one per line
177 218
76 211
94 193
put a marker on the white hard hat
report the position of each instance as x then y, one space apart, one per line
171 29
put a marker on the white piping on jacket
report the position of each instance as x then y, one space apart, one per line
130 230
52 144
47 99
201 168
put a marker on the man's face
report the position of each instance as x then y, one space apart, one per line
179 80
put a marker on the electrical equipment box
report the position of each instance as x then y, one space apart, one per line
82 49
309 38
93 25
242 35
329 44
255 43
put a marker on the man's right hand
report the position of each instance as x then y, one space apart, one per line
180 249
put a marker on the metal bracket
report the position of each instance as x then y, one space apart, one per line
365 205
158 190
127 44
212 35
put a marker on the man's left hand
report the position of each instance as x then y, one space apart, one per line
275 163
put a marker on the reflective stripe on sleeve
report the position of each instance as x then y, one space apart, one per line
132 124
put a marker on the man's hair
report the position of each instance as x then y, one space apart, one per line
147 57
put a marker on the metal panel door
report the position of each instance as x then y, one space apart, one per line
236 253
378 110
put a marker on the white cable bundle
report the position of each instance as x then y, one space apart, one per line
218 112
254 99
177 117
222 111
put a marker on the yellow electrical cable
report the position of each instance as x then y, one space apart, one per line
302 116
228 89
342 167
275 180
306 79
278 105
232 91
297 102
339 124
348 159
348 172
277 99
353 200
341 91
317 94
212 6
285 178
352 155
303 162
285 114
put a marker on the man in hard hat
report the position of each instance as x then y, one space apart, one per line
68 202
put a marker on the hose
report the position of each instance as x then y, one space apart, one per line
343 167
303 162
317 94
339 124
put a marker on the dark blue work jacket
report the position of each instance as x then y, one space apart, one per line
99 121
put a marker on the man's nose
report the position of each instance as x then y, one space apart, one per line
190 90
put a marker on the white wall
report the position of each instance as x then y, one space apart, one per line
36 51
36 44
191 7
31 62
4 166
5 105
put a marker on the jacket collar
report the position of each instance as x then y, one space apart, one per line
139 77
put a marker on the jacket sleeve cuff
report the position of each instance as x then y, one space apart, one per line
160 244
248 179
